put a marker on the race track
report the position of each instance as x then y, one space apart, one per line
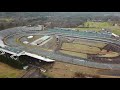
14 36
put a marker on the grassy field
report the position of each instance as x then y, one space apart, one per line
90 43
81 55
80 48
65 70
97 24
9 72
115 29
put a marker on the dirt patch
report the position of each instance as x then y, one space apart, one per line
109 72
109 54
95 58
112 47
66 70
81 75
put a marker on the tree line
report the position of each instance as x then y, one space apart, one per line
54 21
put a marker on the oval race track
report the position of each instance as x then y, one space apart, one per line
11 37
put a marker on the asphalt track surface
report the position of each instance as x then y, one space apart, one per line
10 35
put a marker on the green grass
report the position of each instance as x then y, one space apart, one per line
78 48
116 32
97 24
